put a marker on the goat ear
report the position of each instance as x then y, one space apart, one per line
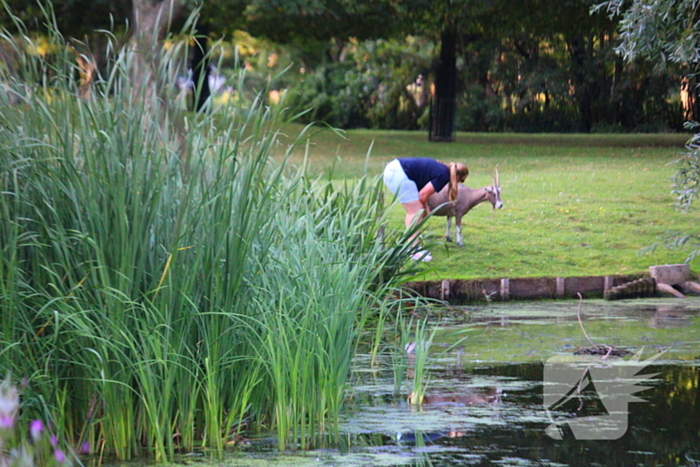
489 189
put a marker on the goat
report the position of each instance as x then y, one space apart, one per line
467 198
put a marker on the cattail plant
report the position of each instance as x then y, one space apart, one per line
163 283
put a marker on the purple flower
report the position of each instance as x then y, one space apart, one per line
9 399
7 421
53 440
59 455
35 429
85 448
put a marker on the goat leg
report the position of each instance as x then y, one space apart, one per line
458 222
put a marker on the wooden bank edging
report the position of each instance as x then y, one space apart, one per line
456 291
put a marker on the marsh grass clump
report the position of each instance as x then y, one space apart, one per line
164 284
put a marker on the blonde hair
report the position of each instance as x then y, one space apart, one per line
458 173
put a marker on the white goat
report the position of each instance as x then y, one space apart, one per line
467 198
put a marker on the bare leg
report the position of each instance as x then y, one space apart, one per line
413 209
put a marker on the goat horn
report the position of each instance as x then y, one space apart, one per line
496 179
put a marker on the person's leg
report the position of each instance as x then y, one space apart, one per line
406 192
413 209
399 184
404 189
414 213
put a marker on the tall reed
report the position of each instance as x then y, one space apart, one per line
419 349
164 284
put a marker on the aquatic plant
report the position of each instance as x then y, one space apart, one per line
419 349
398 349
163 281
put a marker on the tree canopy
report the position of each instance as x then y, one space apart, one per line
301 21
531 65
661 31
74 18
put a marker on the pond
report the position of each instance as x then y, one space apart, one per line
491 368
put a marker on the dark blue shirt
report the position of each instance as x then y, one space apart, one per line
423 170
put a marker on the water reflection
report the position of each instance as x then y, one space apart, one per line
485 401
665 430
670 317
440 401
485 397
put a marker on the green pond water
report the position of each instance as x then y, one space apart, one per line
491 370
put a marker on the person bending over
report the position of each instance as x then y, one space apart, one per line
413 180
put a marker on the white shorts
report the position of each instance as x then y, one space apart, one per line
399 184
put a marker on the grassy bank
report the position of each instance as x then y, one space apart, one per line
573 204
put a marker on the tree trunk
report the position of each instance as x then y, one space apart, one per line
690 86
152 19
580 72
150 79
443 105
616 96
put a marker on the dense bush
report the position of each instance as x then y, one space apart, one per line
386 84
379 84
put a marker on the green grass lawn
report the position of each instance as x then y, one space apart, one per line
573 204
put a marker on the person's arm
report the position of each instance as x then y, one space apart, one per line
424 194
